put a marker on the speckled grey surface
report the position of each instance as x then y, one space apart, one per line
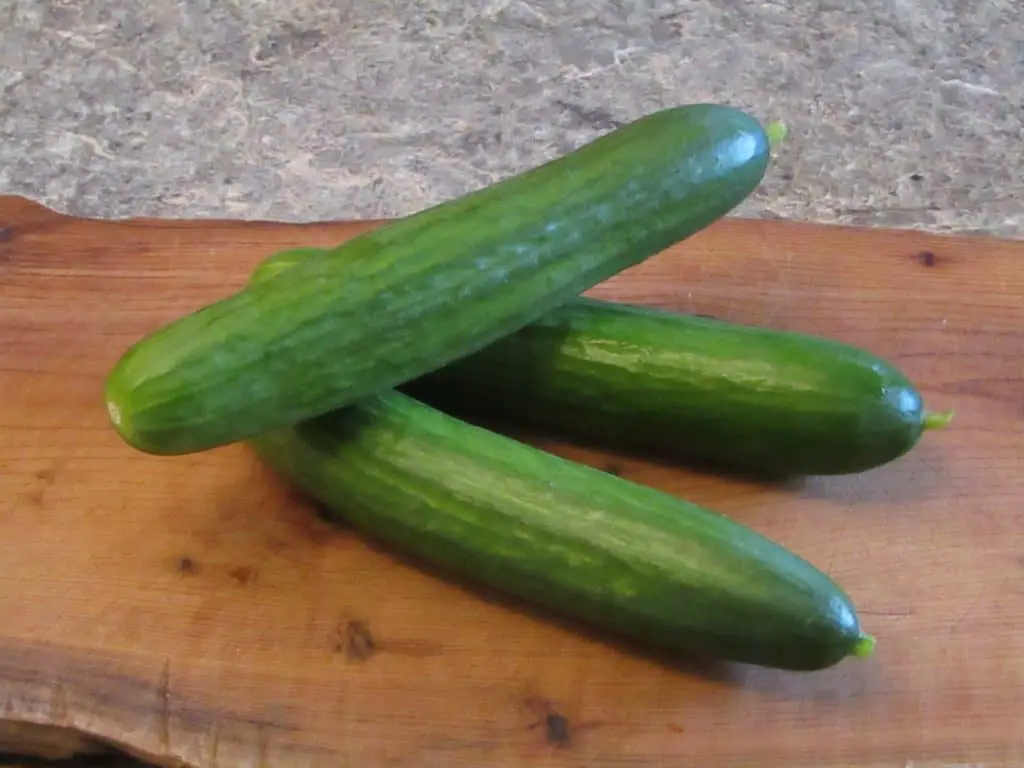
901 112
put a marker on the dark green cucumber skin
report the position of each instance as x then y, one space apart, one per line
399 301
741 396
752 398
620 556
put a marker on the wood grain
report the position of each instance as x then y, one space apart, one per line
195 610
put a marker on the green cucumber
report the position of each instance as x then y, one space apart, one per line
748 397
741 396
608 552
406 298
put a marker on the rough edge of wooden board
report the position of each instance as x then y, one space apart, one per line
26 210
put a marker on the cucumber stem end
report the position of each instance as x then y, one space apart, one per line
937 420
864 646
776 132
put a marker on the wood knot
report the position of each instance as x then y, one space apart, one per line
355 640
553 723
556 729
243 574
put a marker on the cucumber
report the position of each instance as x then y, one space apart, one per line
610 553
746 397
399 301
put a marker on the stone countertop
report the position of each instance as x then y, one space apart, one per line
903 113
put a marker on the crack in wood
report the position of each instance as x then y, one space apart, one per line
164 703
214 746
59 710
262 746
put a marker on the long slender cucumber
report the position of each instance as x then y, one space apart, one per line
620 556
397 302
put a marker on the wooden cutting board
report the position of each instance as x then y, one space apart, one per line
193 609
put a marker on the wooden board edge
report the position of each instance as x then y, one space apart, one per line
29 210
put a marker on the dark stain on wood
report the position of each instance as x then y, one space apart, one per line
243 574
554 724
556 729
6 235
46 477
187 566
354 639
927 258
